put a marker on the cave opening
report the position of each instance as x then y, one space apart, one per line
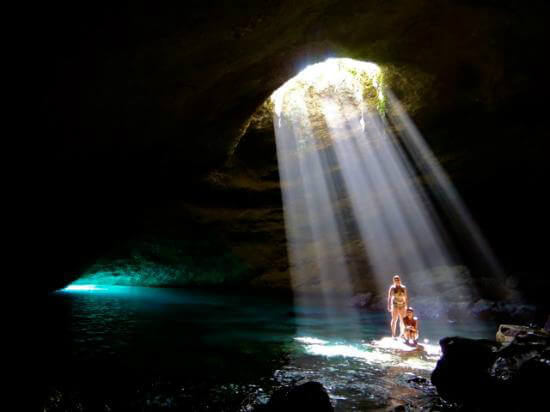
363 197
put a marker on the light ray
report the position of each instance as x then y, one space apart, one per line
317 193
342 167
442 187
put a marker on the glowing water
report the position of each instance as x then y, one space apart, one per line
128 346
385 352
76 288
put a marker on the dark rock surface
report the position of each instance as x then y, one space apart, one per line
309 396
463 368
483 375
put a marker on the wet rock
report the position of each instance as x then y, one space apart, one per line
503 311
484 375
58 400
418 380
526 346
310 396
530 381
518 311
464 360
508 333
399 408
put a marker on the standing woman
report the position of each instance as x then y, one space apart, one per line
398 302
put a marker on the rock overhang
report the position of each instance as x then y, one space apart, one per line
152 100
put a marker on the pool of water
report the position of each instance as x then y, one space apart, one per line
118 348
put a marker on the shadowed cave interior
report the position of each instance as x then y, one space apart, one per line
158 170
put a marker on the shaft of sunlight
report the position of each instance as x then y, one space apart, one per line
350 183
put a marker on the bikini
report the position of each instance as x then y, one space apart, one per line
398 293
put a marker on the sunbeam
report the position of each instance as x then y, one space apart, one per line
349 159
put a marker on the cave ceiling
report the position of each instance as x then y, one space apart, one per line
148 112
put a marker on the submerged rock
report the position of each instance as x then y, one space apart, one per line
310 396
482 374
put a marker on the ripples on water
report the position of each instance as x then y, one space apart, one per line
131 348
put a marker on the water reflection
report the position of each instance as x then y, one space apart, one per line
130 347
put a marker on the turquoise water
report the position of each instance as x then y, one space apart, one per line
133 348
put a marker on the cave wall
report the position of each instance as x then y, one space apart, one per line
138 113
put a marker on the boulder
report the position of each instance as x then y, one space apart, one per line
507 333
464 368
530 382
518 311
484 375
512 358
309 396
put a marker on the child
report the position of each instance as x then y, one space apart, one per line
411 327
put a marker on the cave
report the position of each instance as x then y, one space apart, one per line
160 231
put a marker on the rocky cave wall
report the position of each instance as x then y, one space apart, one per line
139 112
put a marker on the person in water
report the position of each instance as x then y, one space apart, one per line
397 305
411 327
